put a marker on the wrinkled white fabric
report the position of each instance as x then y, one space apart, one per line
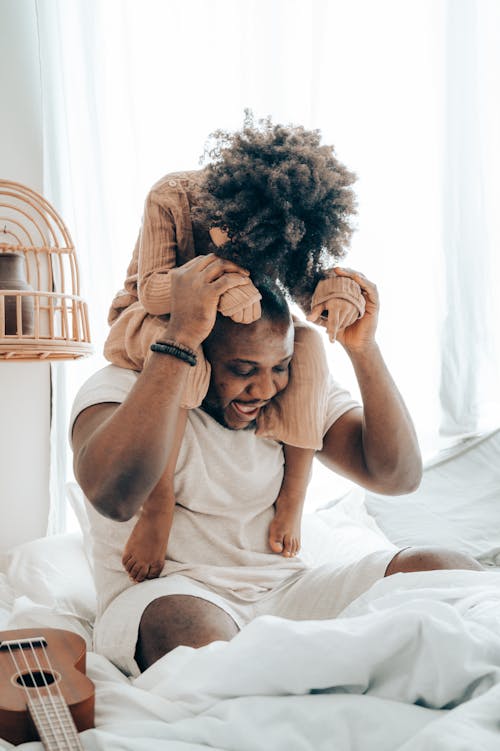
348 683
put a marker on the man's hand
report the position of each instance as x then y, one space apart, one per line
196 289
360 334
375 447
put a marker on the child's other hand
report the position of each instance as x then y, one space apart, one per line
335 314
337 303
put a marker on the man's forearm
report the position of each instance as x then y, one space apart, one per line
389 442
129 451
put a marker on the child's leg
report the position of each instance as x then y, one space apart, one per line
130 336
284 531
296 416
144 554
128 346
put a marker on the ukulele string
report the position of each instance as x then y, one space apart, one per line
25 685
55 706
58 688
42 704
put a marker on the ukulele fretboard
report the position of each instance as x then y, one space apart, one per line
54 723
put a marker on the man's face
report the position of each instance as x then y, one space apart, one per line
250 364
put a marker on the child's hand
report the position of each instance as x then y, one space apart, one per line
241 304
196 288
361 334
337 303
336 315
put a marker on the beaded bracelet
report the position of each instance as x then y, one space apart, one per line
176 350
183 347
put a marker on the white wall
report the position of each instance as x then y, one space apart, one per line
24 388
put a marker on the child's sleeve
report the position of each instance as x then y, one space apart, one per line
341 288
157 255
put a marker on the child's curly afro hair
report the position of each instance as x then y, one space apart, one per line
284 199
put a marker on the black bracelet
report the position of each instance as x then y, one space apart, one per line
176 350
183 347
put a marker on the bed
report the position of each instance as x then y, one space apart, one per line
413 664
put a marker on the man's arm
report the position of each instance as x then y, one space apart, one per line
376 446
120 451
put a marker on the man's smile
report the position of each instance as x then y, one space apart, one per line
247 411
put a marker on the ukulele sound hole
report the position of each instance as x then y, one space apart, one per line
35 679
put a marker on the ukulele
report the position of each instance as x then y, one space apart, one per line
44 692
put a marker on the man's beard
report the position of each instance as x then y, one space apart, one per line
215 410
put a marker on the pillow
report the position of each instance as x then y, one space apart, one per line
341 533
54 572
353 533
457 504
28 614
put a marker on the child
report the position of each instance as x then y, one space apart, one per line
278 204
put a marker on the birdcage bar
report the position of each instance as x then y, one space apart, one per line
19 314
51 318
61 270
37 318
74 271
64 320
46 207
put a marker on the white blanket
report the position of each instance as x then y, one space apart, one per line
414 664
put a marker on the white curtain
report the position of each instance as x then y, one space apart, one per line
470 336
407 92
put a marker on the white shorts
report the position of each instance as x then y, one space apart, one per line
313 594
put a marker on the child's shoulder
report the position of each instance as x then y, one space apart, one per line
177 182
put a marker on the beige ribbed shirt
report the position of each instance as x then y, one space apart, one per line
169 237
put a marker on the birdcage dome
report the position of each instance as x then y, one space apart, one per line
42 315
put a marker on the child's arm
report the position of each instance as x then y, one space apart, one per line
157 253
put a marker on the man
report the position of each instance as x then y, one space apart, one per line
220 572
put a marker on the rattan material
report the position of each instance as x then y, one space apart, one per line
30 226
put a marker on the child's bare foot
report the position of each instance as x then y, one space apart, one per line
284 531
144 554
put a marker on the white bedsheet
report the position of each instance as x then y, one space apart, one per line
414 665
457 504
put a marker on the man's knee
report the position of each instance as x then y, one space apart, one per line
174 620
430 559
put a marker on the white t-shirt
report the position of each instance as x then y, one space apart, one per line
225 485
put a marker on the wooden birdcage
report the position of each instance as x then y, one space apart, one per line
42 316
